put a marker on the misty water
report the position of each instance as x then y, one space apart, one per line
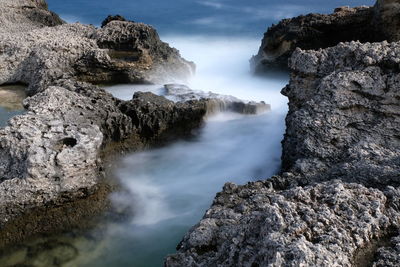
168 189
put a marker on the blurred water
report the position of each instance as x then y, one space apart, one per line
169 189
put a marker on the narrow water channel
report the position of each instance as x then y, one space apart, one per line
170 188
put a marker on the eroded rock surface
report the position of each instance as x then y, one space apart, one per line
54 149
344 114
18 16
337 199
254 225
120 52
315 31
215 102
52 155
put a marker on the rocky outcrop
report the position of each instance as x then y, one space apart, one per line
120 52
215 102
344 114
315 31
255 225
54 149
53 157
112 18
336 201
387 19
18 16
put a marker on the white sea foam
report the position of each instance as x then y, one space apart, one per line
179 181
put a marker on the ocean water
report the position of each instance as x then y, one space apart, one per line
11 98
168 189
208 17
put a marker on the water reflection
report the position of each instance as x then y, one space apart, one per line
11 97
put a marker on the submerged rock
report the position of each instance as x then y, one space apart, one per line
215 102
315 31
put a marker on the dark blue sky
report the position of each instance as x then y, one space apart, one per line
228 17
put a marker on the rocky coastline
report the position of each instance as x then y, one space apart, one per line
54 157
336 200
315 31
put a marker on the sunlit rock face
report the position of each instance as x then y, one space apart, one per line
344 114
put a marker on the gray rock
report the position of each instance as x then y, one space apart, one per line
120 52
53 154
255 225
344 114
215 102
55 148
18 16
388 255
387 19
112 18
336 202
315 31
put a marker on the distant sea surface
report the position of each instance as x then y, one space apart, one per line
211 17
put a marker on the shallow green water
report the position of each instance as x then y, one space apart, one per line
11 98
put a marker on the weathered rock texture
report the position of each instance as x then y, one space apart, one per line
336 202
18 16
52 155
255 225
120 52
344 114
54 149
215 102
387 19
314 31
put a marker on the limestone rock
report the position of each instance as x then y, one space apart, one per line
215 102
55 148
315 31
121 52
312 31
344 114
112 18
336 201
255 225
23 15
